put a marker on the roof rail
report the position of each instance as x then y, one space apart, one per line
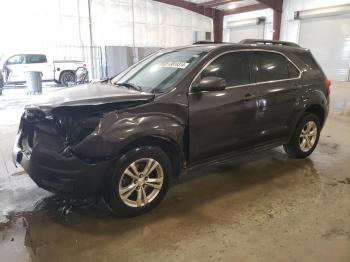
267 42
206 42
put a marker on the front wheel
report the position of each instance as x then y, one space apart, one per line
139 182
305 137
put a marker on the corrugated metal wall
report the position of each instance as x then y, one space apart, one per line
60 28
327 37
230 35
247 32
119 58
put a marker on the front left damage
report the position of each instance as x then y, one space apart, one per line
69 149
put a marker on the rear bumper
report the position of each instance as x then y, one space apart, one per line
60 174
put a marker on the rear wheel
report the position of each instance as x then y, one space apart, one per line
139 183
305 137
67 78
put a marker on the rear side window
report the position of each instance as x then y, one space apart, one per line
34 59
233 67
272 66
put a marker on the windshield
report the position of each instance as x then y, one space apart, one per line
159 72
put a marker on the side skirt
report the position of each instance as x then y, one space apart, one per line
236 153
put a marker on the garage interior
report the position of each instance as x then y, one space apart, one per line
262 206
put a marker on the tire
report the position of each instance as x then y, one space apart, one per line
122 190
67 77
304 140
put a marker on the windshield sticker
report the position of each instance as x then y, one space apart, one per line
180 65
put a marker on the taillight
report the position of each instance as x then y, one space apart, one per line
328 86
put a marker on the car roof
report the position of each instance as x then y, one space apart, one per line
8 55
278 46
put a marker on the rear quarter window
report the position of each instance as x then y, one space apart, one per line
310 61
292 71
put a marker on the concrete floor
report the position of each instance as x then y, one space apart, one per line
264 207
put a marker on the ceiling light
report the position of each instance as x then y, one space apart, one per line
232 6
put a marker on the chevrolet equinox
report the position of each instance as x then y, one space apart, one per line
125 137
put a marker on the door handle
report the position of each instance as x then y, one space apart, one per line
248 97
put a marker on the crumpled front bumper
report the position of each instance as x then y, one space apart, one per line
57 173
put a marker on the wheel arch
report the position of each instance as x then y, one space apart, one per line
318 111
314 108
169 146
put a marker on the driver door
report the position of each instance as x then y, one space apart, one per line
15 67
222 121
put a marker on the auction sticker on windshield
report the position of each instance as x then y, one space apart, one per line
180 65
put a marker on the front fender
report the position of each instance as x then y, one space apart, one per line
116 131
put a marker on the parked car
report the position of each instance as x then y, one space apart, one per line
1 82
61 71
126 137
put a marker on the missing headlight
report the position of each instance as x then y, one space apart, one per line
75 126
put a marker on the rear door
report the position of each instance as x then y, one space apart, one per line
222 121
278 83
38 62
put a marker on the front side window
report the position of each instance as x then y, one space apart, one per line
15 60
233 67
160 72
34 59
272 66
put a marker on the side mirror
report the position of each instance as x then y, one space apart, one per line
210 83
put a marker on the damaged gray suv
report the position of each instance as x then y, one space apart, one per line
125 138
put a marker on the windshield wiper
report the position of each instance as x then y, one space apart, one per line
131 86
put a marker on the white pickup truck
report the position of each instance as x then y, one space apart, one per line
61 71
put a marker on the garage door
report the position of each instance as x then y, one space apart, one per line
328 38
247 32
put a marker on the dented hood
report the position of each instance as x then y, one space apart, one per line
90 94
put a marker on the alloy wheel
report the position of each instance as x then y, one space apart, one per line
308 136
141 182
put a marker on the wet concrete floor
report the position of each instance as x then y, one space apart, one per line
262 207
